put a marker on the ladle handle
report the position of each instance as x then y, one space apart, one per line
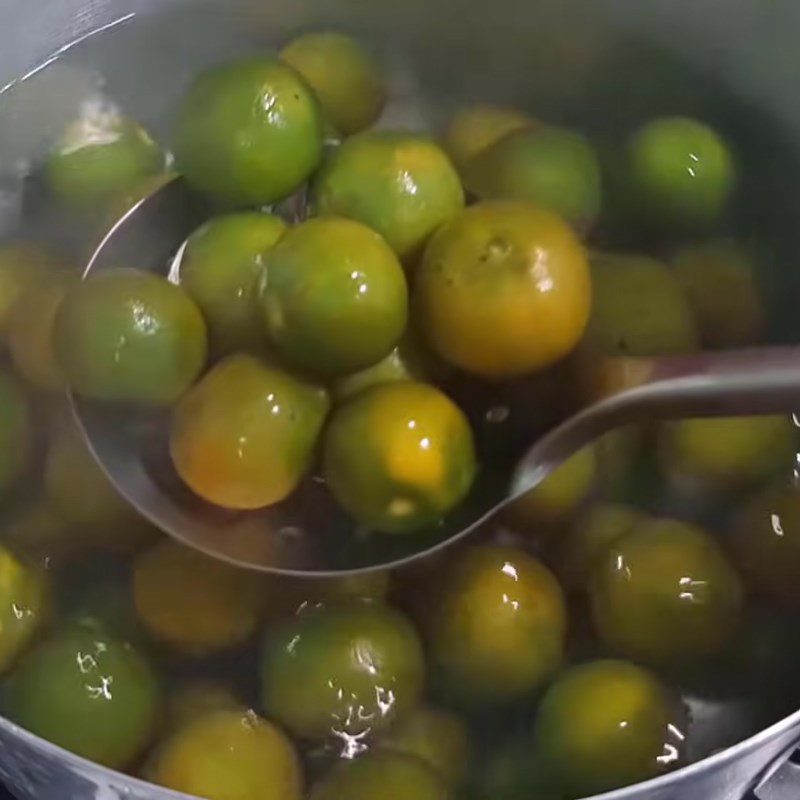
781 780
759 380
763 380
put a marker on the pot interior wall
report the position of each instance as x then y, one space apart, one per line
602 67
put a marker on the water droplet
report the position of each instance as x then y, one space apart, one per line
496 249
497 414
174 265
291 532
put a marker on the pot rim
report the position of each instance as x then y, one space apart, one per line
677 777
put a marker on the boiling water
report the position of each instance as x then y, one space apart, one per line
590 78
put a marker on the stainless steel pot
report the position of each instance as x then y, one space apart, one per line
736 60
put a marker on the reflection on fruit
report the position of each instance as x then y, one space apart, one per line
284 596
346 79
399 456
438 737
720 284
601 726
727 453
101 156
766 543
682 172
553 168
333 296
88 693
589 539
249 132
401 185
341 670
665 594
638 309
496 632
129 335
192 602
229 755
503 290
390 776
220 269
475 128
243 436
23 605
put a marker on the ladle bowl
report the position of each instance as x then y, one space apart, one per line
309 534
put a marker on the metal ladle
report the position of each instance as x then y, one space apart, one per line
308 534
